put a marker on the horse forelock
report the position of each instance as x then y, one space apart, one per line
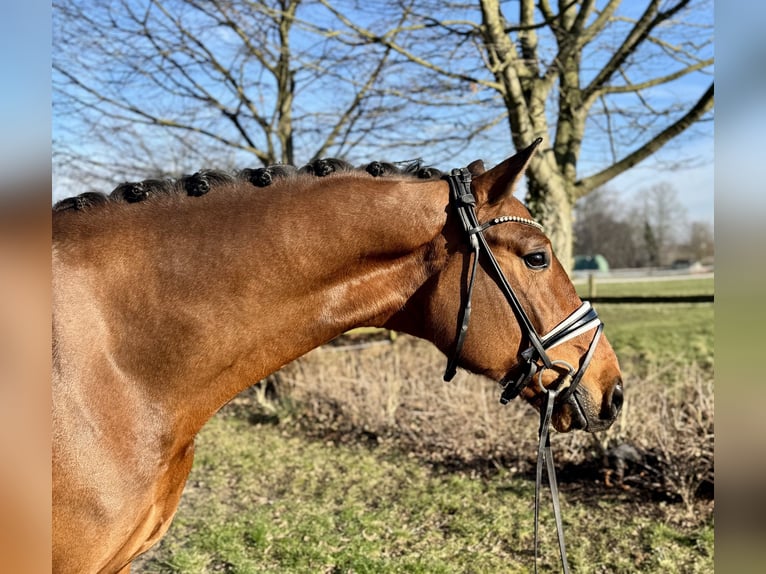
206 180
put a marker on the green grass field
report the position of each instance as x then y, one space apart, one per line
688 286
651 334
658 333
270 498
261 500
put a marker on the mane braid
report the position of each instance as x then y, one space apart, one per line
201 182
325 166
265 176
132 192
80 202
416 168
206 180
381 169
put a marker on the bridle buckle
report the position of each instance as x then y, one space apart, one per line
512 389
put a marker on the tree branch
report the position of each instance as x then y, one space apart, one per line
598 24
142 116
655 81
649 20
386 41
703 105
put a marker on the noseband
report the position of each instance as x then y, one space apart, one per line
582 320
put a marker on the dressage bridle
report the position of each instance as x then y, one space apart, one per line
535 359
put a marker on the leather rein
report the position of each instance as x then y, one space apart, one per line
582 320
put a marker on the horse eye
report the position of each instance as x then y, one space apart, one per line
537 260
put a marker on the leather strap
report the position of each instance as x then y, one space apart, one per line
545 458
583 319
465 317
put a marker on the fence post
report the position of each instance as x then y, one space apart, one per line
591 285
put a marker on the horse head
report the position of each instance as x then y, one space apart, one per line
528 328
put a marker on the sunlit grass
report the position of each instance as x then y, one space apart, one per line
678 333
687 286
262 500
653 333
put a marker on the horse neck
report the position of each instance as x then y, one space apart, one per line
214 293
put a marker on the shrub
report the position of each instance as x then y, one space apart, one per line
389 394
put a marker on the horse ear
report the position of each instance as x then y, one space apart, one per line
491 186
476 167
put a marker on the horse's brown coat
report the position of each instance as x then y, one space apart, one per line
165 309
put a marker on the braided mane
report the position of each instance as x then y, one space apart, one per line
204 181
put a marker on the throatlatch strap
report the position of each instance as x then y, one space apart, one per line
465 204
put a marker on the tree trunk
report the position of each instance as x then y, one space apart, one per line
524 93
549 202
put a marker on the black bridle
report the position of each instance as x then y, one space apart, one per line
535 359
583 319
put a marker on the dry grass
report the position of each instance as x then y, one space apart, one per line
304 473
389 394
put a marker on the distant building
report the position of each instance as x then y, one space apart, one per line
591 263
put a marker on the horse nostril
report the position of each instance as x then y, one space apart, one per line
616 399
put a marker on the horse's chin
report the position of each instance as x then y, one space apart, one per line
568 417
577 413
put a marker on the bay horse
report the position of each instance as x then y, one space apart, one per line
167 303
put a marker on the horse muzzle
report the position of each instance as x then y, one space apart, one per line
579 410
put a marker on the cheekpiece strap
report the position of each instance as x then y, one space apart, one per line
465 202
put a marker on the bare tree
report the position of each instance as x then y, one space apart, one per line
158 87
662 220
595 79
601 228
651 231
162 85
701 242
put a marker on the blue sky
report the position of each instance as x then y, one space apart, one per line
25 96
693 181
695 184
